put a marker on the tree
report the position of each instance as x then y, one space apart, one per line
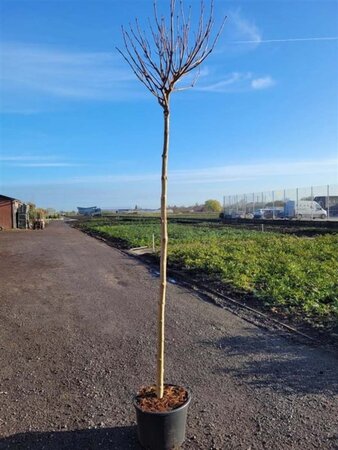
212 206
276 203
32 211
160 59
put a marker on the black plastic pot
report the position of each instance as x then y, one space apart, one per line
162 430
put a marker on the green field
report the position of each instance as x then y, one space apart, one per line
294 274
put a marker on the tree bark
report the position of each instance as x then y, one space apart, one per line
160 63
163 261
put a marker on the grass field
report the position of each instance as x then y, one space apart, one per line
295 274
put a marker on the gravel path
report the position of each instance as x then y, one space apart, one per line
77 339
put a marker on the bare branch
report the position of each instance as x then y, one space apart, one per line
191 85
161 60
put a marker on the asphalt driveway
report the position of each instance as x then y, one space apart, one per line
77 340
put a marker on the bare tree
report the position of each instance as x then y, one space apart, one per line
160 61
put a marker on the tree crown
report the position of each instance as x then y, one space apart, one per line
172 51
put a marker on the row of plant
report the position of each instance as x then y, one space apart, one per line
296 274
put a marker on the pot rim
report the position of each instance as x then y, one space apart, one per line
164 413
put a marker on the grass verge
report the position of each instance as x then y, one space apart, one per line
296 275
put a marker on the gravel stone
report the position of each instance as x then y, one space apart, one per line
78 339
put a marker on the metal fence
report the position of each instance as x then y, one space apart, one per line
313 202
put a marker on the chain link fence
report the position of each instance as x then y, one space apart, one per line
313 202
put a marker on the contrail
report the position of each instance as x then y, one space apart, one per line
267 41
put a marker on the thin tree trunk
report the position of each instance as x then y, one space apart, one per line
160 63
163 262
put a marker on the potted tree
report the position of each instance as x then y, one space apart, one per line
170 51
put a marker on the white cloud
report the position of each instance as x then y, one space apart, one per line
238 82
227 84
28 70
35 161
262 83
185 186
35 77
244 29
56 164
308 39
239 29
7 158
211 175
253 171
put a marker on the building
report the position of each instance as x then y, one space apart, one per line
13 213
89 211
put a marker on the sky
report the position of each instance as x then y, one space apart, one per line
78 129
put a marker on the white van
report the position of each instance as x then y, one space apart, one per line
309 209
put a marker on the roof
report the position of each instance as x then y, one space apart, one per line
4 197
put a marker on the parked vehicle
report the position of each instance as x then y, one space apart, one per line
329 203
334 210
269 213
241 215
304 209
259 213
236 215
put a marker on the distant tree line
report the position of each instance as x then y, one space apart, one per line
210 205
41 213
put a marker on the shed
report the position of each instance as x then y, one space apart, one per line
13 213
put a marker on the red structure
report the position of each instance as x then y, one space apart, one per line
9 214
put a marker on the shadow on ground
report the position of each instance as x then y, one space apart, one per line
271 361
93 439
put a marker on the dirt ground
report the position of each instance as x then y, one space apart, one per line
77 340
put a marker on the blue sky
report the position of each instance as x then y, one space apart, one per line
77 128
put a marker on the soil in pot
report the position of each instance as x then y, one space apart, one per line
173 398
